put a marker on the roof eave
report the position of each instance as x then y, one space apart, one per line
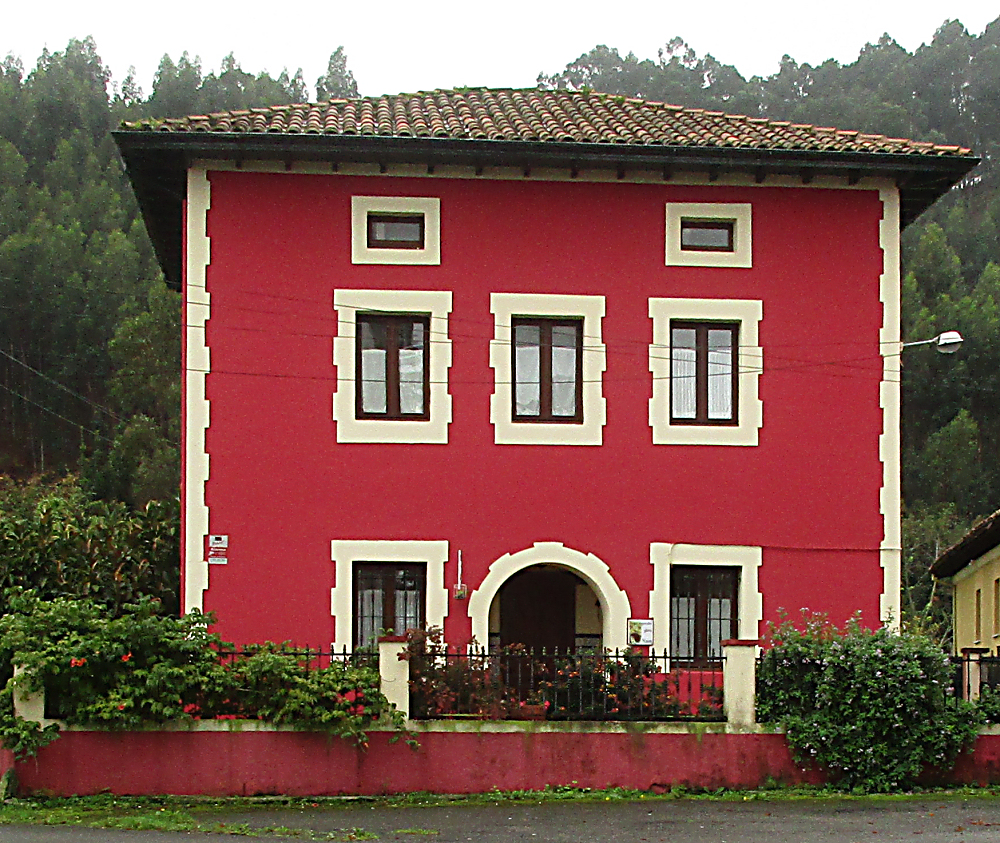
152 157
980 540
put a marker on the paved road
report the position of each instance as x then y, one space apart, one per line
941 820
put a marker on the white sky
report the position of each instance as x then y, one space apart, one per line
395 46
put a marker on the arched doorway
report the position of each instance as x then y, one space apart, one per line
612 611
547 608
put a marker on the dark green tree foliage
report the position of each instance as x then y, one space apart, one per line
338 81
89 337
59 541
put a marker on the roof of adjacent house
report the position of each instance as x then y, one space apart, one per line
979 540
527 129
534 115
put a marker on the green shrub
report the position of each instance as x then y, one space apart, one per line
989 704
872 708
142 667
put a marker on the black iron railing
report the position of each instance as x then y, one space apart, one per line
519 684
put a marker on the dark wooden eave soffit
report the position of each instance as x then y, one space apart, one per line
157 163
980 540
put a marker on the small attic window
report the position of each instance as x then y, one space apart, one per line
395 231
716 234
711 235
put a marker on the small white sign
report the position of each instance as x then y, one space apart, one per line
640 633
218 550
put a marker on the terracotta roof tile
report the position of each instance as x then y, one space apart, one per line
533 115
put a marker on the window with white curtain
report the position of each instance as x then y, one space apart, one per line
387 597
392 366
548 369
704 372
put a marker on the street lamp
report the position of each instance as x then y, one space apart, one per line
947 342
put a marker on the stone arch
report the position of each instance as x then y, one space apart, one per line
615 606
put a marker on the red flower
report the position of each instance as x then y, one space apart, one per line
121 707
77 662
126 657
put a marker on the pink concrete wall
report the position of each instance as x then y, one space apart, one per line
301 764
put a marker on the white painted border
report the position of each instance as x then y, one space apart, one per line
740 213
663 555
631 176
434 430
430 207
748 312
507 306
890 497
199 362
615 606
345 553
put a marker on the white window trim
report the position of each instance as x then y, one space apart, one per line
346 553
430 207
750 410
748 559
742 254
348 303
508 306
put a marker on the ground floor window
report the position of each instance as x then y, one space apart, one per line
387 596
703 612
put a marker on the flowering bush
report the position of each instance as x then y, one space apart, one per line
143 667
989 704
873 708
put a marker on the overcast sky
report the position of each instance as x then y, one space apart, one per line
394 46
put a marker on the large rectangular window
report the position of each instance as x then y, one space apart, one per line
703 612
392 367
547 365
387 597
704 373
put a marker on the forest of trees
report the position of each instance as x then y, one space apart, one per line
90 334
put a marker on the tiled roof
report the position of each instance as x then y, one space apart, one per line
979 540
538 116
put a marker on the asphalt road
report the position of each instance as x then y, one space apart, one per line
944 819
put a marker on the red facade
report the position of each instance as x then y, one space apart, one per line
282 487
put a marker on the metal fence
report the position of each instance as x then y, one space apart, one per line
520 685
966 670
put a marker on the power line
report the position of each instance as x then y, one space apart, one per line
54 413
62 386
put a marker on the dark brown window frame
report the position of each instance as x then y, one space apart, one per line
386 572
713 224
375 217
702 575
546 324
701 330
392 410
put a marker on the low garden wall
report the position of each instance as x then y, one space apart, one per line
244 759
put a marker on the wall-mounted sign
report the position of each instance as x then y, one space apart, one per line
218 550
640 633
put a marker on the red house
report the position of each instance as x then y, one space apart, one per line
529 365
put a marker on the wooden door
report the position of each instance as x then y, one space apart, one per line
538 609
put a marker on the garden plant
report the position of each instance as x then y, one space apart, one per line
875 709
